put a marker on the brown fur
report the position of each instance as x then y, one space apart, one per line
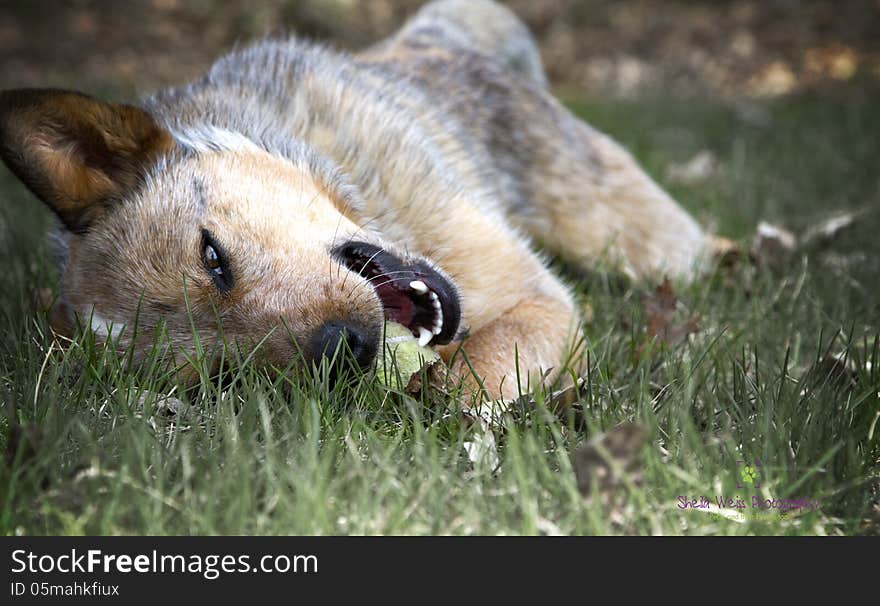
440 145
75 152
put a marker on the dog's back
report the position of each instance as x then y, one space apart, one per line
571 188
455 100
439 151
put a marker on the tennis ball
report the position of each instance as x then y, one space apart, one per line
402 357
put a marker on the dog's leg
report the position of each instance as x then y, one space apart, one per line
591 200
577 192
520 320
516 351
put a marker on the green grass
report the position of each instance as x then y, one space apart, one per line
99 456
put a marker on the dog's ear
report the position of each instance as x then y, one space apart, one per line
74 152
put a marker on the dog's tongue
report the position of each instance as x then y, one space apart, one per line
412 293
399 307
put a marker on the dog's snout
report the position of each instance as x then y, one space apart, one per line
342 342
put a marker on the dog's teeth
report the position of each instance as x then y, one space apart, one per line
419 286
438 319
425 336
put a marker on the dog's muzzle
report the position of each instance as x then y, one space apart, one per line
412 292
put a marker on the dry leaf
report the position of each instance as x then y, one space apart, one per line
429 370
659 308
163 404
837 370
772 245
829 230
22 447
699 168
483 451
559 398
23 441
609 460
564 403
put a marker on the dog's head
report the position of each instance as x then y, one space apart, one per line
207 235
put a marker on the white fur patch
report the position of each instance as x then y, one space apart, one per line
207 138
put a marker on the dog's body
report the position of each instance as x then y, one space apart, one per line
294 186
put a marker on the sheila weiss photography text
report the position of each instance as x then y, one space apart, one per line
738 503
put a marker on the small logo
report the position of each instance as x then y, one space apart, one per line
749 472
751 501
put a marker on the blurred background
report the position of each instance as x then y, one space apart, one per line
613 47
745 110
761 117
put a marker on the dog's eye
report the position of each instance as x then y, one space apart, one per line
212 260
215 262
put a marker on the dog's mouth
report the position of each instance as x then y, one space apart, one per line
412 294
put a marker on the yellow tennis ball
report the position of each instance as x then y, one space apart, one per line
402 357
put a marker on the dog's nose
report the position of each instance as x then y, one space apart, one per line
341 343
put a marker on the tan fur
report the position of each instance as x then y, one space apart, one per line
272 251
440 144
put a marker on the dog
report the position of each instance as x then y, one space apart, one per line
294 198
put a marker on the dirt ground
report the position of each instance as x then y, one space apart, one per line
729 48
